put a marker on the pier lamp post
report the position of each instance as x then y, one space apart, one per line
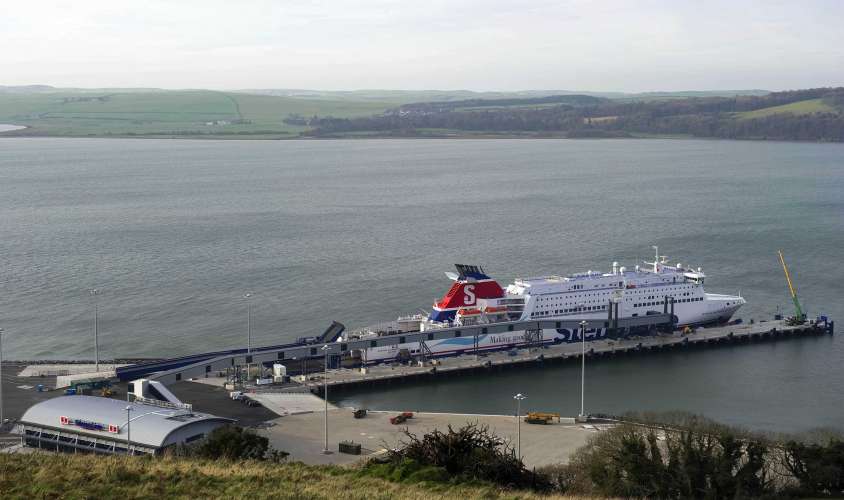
128 428
95 293
2 420
325 348
519 397
247 296
582 369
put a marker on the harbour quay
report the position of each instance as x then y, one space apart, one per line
773 330
329 356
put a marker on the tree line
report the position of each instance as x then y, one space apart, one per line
586 116
672 456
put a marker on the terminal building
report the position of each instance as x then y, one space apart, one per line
110 426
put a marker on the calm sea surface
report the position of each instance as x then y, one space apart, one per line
174 232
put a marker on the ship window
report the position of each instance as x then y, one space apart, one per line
430 336
373 343
457 333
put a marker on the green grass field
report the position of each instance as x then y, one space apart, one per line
89 476
806 107
166 113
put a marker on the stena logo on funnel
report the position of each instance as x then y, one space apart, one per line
468 295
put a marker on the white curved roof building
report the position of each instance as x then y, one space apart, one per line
104 425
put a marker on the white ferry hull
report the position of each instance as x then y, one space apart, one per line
496 342
476 298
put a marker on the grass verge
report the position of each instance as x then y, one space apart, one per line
88 476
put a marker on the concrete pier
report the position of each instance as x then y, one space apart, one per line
702 337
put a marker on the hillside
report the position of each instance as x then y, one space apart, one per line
806 115
90 476
200 113
813 114
805 107
414 96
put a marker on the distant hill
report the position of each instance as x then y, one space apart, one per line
508 103
167 113
414 96
26 89
811 115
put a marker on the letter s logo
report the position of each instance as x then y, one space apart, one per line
469 295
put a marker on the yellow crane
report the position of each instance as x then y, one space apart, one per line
799 316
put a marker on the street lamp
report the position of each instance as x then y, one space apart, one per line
94 293
128 429
325 388
582 368
2 420
519 397
247 296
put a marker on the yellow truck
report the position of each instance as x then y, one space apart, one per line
544 418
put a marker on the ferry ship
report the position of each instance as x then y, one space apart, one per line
475 299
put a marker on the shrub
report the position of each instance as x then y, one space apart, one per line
232 442
819 469
468 454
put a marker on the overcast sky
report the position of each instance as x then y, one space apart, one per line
597 45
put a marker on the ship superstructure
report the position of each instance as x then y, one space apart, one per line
475 298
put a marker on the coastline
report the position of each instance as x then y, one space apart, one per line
21 132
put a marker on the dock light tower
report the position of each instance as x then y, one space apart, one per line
2 420
325 349
582 369
95 293
247 296
519 397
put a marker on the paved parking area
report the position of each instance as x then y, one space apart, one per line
302 435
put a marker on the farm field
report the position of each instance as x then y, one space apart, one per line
805 107
167 113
